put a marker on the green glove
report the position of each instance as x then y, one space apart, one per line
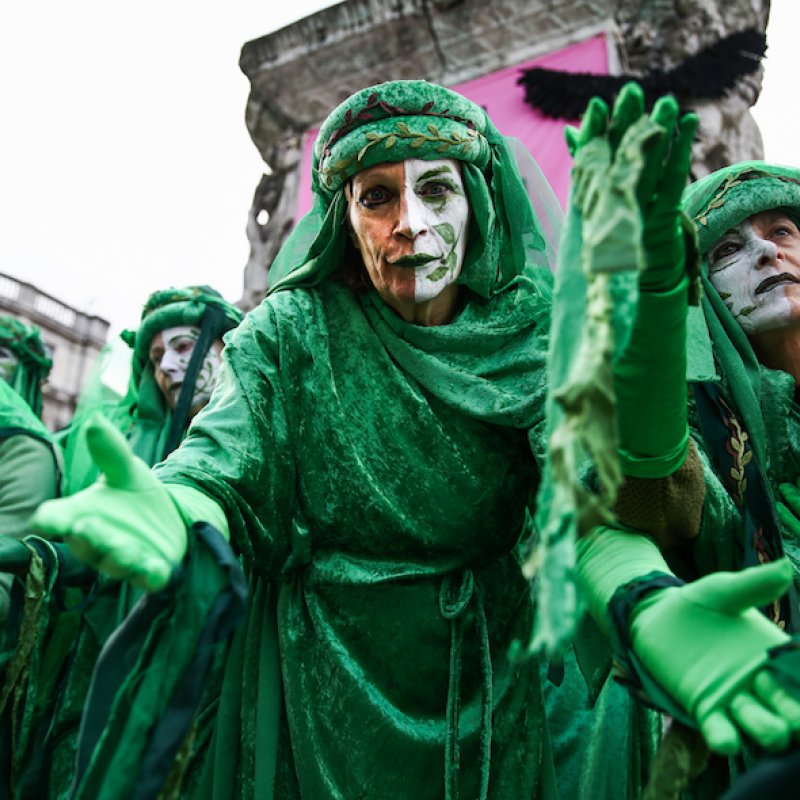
128 525
630 170
704 643
650 376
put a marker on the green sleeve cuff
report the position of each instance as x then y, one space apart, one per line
608 558
195 506
655 466
629 670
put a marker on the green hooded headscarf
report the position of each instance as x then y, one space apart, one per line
716 203
142 414
399 120
157 431
34 362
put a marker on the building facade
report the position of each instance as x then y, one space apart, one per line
299 73
72 338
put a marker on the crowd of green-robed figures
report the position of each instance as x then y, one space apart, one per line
418 457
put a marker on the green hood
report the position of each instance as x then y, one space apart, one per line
34 362
151 427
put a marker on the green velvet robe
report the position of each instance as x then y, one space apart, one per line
376 475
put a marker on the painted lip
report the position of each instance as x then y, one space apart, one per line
414 260
775 280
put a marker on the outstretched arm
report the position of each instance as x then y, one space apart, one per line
703 645
701 650
649 157
128 525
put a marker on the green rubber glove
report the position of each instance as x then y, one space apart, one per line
630 170
704 643
650 376
128 525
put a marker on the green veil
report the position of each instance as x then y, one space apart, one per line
716 203
34 363
151 427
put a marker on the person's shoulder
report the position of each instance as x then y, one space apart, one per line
285 319
298 308
24 445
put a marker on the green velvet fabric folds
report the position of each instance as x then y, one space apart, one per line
334 426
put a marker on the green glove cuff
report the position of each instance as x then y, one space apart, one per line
650 383
609 558
629 669
194 506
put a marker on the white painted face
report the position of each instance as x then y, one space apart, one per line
170 352
409 219
755 268
8 364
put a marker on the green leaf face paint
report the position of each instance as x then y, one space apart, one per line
755 268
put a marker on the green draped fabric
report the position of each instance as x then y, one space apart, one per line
334 426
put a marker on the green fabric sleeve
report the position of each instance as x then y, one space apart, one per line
238 450
650 380
608 558
194 506
27 478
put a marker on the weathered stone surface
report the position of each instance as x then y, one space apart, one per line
299 73
660 34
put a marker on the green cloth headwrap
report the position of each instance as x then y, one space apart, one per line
170 308
399 120
717 203
34 362
142 414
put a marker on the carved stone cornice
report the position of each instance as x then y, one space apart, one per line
299 73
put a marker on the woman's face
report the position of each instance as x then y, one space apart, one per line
409 220
755 268
170 352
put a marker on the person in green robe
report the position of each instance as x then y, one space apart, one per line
743 376
174 367
371 452
29 466
747 221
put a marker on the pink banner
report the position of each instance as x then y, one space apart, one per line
503 99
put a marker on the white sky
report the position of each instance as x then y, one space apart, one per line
125 163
